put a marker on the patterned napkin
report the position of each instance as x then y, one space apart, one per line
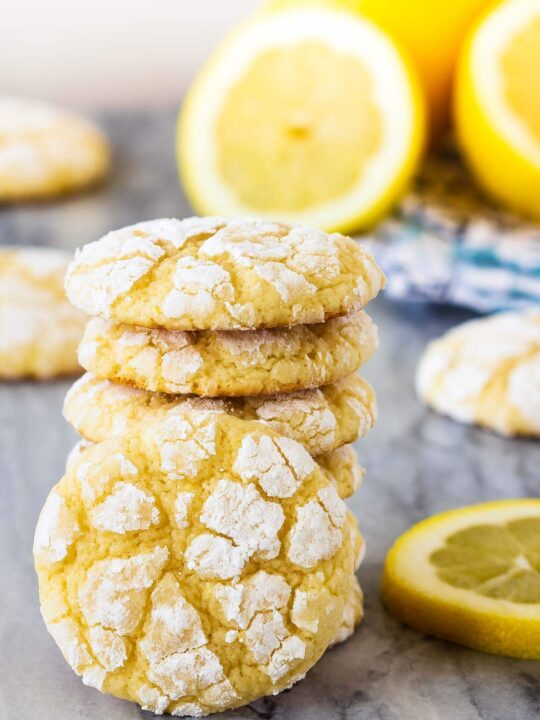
446 244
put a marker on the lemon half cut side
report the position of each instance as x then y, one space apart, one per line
498 104
308 115
471 576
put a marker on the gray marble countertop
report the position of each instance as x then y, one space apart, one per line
418 464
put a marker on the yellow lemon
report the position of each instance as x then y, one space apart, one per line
498 104
306 115
471 576
430 32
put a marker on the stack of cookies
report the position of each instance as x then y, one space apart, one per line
198 553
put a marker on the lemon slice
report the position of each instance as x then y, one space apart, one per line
471 576
305 115
498 104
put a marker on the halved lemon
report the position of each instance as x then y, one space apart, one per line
430 32
471 576
498 104
305 115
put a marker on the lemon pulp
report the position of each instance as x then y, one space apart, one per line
307 115
305 140
497 561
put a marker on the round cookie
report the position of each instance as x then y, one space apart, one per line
237 363
215 274
39 329
321 420
346 475
487 372
194 565
46 152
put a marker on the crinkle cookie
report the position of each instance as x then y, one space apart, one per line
322 419
342 466
39 329
214 274
45 151
487 372
230 363
194 564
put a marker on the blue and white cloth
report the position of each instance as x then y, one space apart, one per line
446 244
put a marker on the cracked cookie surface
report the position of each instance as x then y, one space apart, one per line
45 151
487 372
321 420
229 363
194 564
215 274
39 329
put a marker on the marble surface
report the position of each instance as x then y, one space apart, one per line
418 464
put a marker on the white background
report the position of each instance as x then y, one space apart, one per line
110 53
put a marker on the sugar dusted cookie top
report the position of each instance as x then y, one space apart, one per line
234 363
487 372
321 420
194 565
45 151
215 274
39 329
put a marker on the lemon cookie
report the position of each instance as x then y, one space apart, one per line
342 466
322 419
230 363
213 274
194 565
39 329
487 372
46 152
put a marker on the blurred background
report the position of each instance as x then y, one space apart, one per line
414 125
108 54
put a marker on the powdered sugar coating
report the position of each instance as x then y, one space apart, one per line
181 508
212 556
217 274
487 372
278 464
56 530
126 509
314 536
108 647
184 441
239 512
114 592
